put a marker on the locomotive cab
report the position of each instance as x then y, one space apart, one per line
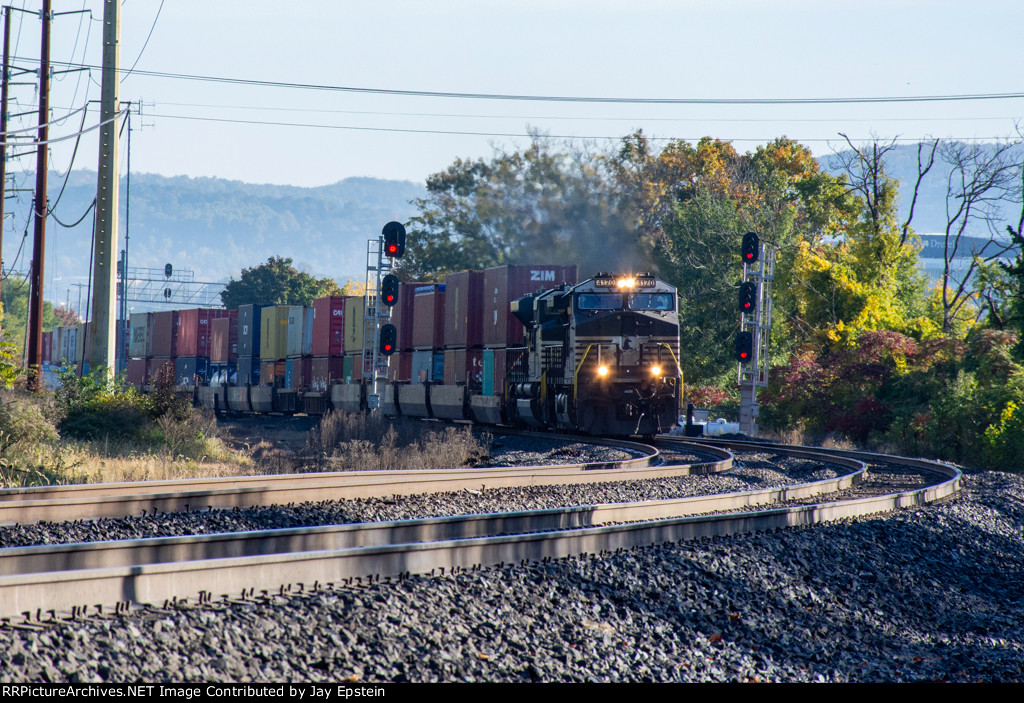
602 357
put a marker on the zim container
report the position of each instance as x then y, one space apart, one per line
502 285
463 310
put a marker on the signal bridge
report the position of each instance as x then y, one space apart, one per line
153 285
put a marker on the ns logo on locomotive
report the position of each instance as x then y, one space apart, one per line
601 357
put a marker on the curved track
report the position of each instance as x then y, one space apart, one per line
48 580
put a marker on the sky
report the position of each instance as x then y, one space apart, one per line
640 50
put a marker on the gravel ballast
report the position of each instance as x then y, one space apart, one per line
754 471
935 593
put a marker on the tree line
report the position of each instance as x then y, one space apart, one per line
861 346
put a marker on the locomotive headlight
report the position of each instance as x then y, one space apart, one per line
602 370
626 283
655 370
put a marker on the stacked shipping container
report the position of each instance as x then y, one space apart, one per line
454 332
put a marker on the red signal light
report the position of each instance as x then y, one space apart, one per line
393 248
387 347
743 355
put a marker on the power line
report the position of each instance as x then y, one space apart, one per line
587 118
504 134
145 43
566 98
73 135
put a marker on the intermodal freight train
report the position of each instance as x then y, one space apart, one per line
519 345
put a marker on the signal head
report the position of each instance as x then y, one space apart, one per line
388 340
751 248
394 239
744 347
389 290
748 296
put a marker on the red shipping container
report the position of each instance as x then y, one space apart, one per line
428 317
193 330
164 339
463 310
502 285
138 370
329 326
402 314
224 340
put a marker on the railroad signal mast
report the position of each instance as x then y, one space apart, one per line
751 345
380 338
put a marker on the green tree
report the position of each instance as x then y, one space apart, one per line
14 313
863 275
276 282
695 202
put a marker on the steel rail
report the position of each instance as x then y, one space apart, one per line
89 555
94 501
38 593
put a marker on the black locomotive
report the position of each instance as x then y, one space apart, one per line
602 357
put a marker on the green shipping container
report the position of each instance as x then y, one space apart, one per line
346 369
488 373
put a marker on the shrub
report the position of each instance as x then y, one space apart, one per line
95 407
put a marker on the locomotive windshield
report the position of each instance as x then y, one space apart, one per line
599 301
650 301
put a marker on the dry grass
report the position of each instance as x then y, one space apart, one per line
800 436
355 442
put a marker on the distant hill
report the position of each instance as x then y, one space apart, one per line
216 227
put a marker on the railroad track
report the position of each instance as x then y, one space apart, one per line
42 582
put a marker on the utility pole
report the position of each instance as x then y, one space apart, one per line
3 132
40 205
104 273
